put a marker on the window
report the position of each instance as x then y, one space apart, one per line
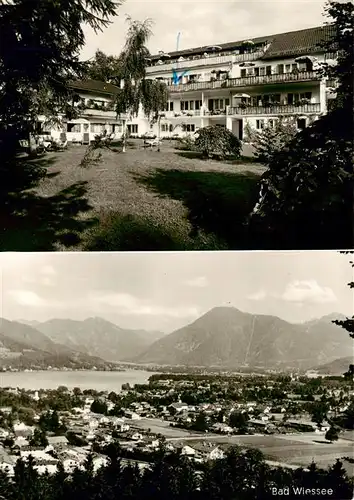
288 68
268 70
227 102
262 71
290 98
243 73
271 123
259 124
191 105
97 128
294 66
164 127
171 105
216 103
73 127
197 104
221 104
170 127
280 69
132 129
182 105
190 127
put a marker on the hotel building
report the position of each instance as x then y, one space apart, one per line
243 84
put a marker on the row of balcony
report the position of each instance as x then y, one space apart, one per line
210 60
276 109
248 81
272 109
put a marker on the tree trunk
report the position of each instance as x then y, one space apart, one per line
124 136
158 132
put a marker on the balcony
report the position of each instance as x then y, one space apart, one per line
211 60
248 81
276 109
99 113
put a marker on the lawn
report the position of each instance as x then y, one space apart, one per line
144 200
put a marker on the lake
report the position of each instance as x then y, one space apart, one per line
100 381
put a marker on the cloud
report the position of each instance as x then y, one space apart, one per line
260 295
199 282
27 298
308 291
127 304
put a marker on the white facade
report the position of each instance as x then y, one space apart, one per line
241 88
97 116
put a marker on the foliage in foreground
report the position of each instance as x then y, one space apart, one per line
214 140
271 140
240 475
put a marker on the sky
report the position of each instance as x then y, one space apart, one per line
203 22
165 291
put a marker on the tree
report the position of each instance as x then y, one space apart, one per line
99 407
39 438
332 434
201 423
138 90
40 43
239 420
217 140
102 67
312 177
272 139
318 412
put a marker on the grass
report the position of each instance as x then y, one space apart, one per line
149 200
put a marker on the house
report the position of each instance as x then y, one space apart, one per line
188 451
216 454
57 441
137 436
179 406
132 415
95 103
23 430
242 84
219 427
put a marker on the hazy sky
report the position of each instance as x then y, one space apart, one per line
206 22
168 290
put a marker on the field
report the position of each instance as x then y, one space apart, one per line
292 449
140 200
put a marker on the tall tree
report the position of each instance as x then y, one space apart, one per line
102 67
138 91
40 43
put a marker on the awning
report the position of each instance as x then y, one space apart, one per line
242 95
246 65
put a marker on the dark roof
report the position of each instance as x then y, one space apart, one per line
283 44
299 42
95 86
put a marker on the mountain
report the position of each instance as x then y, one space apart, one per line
230 338
99 337
23 346
337 367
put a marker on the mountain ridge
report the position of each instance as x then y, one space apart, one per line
228 337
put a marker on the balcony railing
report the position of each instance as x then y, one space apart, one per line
104 112
248 81
276 109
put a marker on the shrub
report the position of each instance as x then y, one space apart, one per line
186 143
271 140
219 141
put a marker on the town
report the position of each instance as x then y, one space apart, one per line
200 416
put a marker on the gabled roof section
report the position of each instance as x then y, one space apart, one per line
291 43
95 86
